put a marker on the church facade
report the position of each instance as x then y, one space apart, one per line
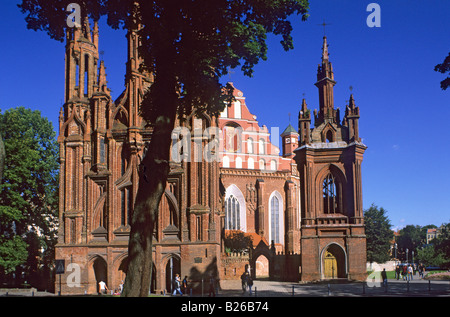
300 202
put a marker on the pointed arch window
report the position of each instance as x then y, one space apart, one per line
275 219
232 214
331 197
86 75
126 206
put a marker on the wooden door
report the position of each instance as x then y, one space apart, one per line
329 265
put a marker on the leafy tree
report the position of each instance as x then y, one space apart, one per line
29 191
427 255
443 68
188 45
410 238
378 234
442 245
237 241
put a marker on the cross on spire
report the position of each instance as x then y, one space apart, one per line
230 72
324 25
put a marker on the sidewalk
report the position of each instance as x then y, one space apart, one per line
332 288
417 287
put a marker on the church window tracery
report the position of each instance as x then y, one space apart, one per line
331 196
232 214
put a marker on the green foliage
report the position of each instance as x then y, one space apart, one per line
29 190
437 253
378 233
13 252
443 68
410 238
191 43
237 241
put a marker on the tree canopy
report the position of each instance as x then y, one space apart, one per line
378 233
443 68
29 190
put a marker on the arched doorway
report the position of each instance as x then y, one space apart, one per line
262 267
100 269
333 262
173 267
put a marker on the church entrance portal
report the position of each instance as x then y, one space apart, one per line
333 262
262 267
173 267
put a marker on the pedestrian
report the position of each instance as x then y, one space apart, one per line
384 277
177 285
410 273
212 286
244 281
102 287
397 272
185 284
121 287
404 272
250 284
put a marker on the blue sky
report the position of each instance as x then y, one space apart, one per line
404 113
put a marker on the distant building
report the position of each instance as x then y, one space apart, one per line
433 233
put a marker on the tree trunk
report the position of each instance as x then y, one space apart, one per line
153 175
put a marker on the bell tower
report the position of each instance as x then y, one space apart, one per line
289 138
329 159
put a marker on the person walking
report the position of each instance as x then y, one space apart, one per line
384 277
244 282
250 284
404 272
185 284
177 285
397 272
410 272
421 267
102 287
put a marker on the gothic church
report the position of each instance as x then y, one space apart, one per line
301 204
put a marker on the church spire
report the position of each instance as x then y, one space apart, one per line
325 83
324 50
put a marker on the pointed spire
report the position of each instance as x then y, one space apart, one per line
304 106
102 83
352 102
87 29
325 83
325 55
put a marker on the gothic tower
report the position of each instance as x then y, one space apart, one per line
329 160
102 143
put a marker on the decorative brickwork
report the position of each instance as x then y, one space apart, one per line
273 195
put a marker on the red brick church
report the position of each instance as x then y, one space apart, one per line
300 202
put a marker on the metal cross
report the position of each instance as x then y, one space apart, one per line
324 24
230 72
